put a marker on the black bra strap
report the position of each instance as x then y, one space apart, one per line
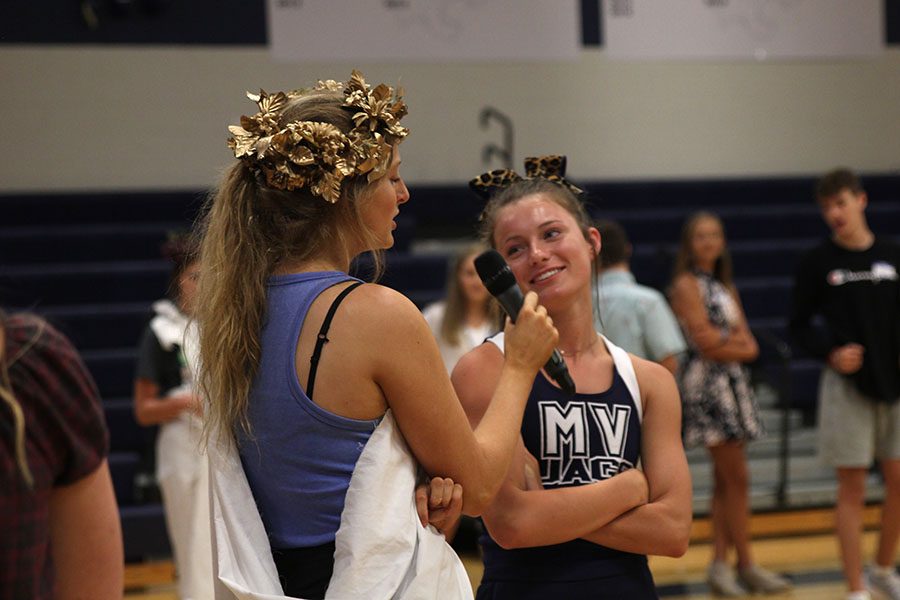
322 338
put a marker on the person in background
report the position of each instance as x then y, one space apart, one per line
851 281
720 410
165 395
60 535
467 315
635 317
575 518
307 369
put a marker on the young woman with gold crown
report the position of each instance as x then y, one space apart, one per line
325 392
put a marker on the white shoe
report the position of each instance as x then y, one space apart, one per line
885 583
722 581
759 580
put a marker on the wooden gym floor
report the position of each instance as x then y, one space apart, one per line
798 543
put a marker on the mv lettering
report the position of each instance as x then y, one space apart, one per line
566 435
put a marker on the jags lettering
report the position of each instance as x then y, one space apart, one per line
567 456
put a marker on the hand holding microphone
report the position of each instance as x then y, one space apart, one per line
531 337
501 283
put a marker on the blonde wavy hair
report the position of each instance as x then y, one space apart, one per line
247 230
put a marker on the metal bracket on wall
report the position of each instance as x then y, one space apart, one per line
489 151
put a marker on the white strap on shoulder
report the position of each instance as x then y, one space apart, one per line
497 340
626 372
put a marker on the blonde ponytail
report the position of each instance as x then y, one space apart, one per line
234 268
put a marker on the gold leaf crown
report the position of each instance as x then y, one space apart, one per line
315 155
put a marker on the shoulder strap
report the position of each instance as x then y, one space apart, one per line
626 372
498 340
322 337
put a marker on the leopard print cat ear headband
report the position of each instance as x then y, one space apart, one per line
319 156
551 167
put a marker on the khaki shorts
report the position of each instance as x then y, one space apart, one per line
853 428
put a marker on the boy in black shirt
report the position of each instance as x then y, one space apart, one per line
851 281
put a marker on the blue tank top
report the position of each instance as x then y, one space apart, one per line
577 440
300 458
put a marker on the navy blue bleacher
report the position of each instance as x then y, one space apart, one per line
103 325
420 277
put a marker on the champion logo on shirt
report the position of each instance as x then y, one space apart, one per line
881 271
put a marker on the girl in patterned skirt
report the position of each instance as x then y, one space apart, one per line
720 411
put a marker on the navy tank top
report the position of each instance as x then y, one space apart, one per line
577 440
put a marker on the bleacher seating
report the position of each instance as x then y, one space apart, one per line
90 263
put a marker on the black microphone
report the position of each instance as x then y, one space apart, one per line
501 283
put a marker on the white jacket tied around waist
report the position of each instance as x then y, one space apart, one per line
381 548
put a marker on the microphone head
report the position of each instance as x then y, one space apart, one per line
494 272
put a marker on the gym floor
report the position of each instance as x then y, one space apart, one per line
798 544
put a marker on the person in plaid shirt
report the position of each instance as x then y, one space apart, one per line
61 535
